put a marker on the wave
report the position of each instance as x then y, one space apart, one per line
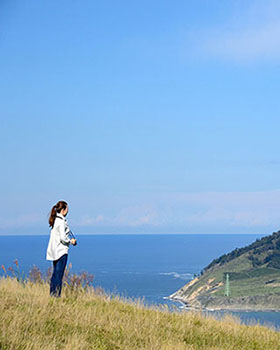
182 276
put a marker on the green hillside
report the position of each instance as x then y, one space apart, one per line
253 279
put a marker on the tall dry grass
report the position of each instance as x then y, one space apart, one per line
87 318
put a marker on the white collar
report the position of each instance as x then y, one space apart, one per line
60 215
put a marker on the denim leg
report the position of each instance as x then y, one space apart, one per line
53 279
57 276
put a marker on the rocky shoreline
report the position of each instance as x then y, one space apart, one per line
238 304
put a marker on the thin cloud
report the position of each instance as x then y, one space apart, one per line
247 45
250 35
171 212
87 220
202 209
137 215
248 209
129 216
24 220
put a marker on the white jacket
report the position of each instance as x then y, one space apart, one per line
59 241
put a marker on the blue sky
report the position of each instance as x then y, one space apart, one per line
147 117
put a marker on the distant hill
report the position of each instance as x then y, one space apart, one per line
246 278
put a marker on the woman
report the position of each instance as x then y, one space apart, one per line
58 246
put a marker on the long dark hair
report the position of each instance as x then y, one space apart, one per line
56 209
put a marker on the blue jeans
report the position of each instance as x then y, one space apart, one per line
58 272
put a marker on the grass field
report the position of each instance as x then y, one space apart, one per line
90 319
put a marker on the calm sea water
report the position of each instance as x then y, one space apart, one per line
149 267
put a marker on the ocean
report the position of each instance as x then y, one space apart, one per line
147 266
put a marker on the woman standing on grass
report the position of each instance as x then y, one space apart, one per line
58 246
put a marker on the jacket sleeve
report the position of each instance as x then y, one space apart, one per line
63 234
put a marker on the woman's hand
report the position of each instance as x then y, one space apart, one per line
73 241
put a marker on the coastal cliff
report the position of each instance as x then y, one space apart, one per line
247 278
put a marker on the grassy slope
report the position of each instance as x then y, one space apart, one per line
254 284
30 319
